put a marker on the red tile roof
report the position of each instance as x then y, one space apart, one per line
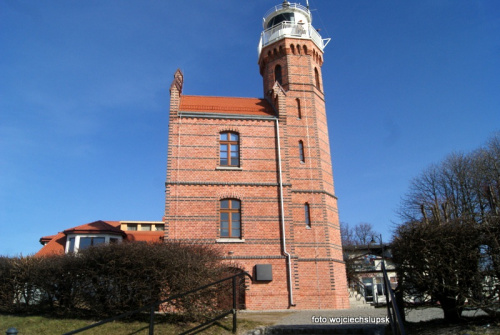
100 226
226 105
46 239
56 244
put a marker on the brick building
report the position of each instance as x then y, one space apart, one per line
254 175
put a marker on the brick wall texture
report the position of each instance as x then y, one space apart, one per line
196 183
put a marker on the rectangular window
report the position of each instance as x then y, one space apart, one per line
86 242
301 152
307 214
131 227
159 227
146 227
229 153
71 244
230 218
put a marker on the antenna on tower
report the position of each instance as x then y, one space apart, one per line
307 3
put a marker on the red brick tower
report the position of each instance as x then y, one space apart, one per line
254 176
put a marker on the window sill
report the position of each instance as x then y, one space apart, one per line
230 240
230 168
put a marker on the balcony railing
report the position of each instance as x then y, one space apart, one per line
291 29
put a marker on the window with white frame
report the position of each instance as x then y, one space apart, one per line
76 242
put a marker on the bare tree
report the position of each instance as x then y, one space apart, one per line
363 233
347 234
360 234
456 204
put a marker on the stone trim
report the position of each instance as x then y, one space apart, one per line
208 115
315 191
253 257
217 183
320 260
230 240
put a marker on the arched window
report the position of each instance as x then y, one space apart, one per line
292 47
230 218
299 110
301 152
277 74
316 77
229 151
307 214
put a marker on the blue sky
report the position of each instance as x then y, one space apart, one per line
84 99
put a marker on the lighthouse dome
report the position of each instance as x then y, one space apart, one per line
289 20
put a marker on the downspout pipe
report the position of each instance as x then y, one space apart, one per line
282 209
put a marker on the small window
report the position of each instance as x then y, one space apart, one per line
159 227
299 110
132 227
230 218
307 214
277 74
301 152
146 227
316 77
229 149
113 240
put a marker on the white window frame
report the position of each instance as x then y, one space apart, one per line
77 237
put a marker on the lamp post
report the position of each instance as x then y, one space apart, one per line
381 245
382 265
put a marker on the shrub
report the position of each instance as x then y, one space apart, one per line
111 279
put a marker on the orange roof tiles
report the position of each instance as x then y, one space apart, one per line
97 226
226 105
54 247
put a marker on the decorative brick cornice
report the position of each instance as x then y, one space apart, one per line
218 183
254 257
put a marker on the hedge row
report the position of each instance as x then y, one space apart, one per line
112 279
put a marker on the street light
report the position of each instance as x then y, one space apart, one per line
372 242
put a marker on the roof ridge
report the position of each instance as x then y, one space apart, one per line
219 96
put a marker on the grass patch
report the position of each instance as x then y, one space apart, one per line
42 325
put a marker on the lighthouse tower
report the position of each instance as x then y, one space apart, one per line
253 176
290 62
